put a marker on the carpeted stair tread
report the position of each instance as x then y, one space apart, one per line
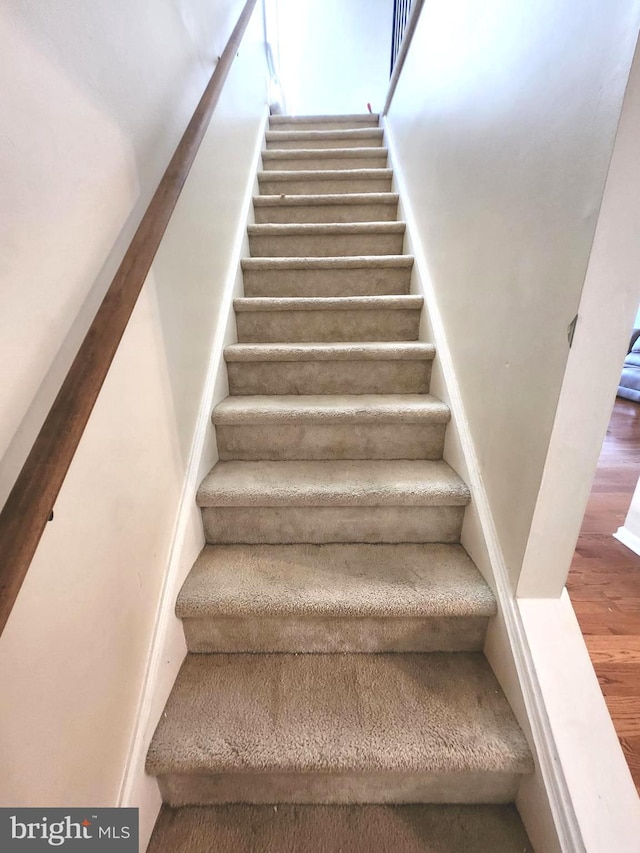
329 599
355 262
328 229
311 319
365 153
338 276
324 158
330 426
344 303
411 713
326 207
387 351
356 172
332 408
340 829
325 239
345 120
352 174
396 367
325 200
338 580
357 137
319 181
396 482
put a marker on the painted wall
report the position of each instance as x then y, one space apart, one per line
333 54
98 102
96 96
504 121
629 533
632 521
609 297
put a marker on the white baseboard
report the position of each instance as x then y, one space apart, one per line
602 791
162 667
624 535
555 786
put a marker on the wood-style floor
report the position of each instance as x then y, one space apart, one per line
604 581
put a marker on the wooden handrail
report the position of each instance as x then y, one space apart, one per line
412 23
28 507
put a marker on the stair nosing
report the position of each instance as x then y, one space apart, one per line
266 229
273 304
363 152
348 262
331 409
319 118
291 175
325 200
335 133
385 350
446 584
336 483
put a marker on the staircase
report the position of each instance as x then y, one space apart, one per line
335 696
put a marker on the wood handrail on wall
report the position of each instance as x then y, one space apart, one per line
412 23
28 507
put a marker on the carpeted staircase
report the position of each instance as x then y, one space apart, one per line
335 696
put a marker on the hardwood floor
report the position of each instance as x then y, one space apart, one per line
604 581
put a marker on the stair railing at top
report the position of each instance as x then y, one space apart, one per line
405 20
30 503
401 9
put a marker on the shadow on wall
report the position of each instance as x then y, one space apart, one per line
504 122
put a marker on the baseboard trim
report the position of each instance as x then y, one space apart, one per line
144 724
598 777
564 817
624 535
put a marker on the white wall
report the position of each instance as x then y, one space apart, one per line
105 94
503 162
592 374
504 120
602 793
94 100
629 533
632 521
333 55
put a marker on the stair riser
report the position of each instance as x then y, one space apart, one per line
324 634
339 142
291 214
339 282
329 377
283 441
325 124
295 164
318 186
273 525
325 245
242 828
381 787
327 326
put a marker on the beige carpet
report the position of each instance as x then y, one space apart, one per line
341 829
335 696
